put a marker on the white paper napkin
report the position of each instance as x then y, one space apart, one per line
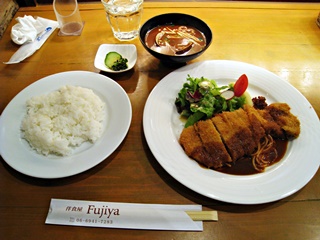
123 215
32 34
27 29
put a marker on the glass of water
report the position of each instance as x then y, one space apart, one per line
124 17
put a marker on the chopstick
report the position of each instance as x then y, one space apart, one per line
203 215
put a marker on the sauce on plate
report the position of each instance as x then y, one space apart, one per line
244 165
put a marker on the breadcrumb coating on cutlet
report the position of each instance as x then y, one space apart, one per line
212 142
229 136
280 112
194 148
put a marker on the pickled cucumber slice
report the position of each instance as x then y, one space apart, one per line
111 58
115 61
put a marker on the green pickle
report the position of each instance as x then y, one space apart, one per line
115 61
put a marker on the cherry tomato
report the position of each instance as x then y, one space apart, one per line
241 85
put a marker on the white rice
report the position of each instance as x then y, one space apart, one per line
57 122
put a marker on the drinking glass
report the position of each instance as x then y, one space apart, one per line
68 16
124 17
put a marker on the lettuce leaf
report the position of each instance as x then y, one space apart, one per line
200 98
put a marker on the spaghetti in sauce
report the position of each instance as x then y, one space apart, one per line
244 165
175 40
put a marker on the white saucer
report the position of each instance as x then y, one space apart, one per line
128 51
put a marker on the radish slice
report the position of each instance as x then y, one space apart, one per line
227 94
223 90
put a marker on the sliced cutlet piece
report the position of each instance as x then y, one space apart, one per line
245 134
229 136
269 125
258 131
285 119
267 122
193 147
213 144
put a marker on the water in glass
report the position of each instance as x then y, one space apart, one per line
124 17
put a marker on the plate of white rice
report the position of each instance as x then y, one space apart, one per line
64 124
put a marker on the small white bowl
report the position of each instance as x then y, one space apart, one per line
128 51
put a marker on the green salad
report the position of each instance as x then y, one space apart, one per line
202 98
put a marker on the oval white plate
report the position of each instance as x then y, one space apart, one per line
18 154
128 51
162 128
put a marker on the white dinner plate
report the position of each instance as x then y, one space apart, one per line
128 51
19 155
162 128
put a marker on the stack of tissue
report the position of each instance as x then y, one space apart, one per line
31 33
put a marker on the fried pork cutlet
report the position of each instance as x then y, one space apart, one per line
213 144
194 148
257 130
229 136
241 129
280 112
267 122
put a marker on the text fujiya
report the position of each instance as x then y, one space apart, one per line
103 211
